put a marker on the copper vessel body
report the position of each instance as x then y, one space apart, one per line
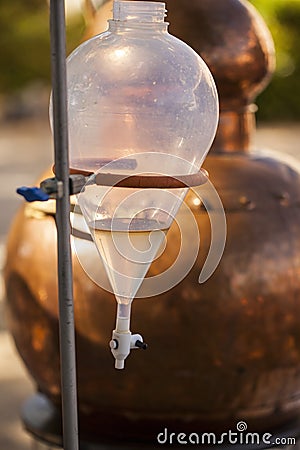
219 352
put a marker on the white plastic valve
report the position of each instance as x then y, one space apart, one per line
122 343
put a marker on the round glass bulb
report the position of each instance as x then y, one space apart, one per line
136 88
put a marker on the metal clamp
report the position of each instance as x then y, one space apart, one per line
52 188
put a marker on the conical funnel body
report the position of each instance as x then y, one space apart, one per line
127 248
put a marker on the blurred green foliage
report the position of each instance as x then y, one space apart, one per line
25 53
24 42
281 99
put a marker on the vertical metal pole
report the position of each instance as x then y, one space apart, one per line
65 278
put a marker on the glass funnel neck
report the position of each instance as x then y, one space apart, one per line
139 11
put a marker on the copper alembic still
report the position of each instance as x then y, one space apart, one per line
222 353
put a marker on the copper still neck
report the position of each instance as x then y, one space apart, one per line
235 131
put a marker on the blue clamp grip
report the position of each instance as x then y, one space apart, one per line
33 194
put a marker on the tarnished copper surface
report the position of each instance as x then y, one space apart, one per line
219 352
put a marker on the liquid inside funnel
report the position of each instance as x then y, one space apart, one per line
127 247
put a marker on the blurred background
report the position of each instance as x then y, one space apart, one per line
26 147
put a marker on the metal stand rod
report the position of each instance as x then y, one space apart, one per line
65 285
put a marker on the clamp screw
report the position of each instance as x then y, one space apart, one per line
33 194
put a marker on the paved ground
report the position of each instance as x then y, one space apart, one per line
25 151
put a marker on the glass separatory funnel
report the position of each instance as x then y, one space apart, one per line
143 112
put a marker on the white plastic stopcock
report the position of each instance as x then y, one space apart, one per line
121 344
